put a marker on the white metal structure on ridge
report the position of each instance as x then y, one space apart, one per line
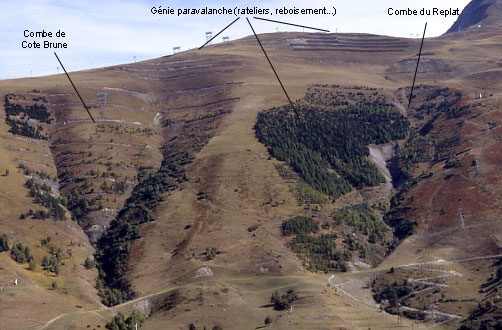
101 99
433 308
209 35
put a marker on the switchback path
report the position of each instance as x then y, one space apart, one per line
339 287
330 279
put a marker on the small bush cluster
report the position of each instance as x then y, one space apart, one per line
299 225
21 126
41 194
21 253
319 253
361 218
393 293
282 302
122 322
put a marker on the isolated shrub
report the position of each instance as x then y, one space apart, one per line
268 320
279 302
452 162
211 253
372 238
45 261
4 243
57 269
499 273
89 263
32 265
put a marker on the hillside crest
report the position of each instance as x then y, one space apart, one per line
484 13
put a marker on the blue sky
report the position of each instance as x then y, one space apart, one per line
107 32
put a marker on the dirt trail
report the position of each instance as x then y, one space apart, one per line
104 120
359 294
104 308
436 312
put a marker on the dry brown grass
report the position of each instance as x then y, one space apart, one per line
235 171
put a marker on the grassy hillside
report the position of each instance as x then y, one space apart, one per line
188 209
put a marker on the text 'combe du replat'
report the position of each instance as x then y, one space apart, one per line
423 12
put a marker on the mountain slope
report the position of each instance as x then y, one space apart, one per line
485 13
211 250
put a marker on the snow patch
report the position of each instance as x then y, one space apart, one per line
379 155
204 272
156 120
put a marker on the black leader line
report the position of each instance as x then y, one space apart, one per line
306 27
275 72
416 70
219 33
85 106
